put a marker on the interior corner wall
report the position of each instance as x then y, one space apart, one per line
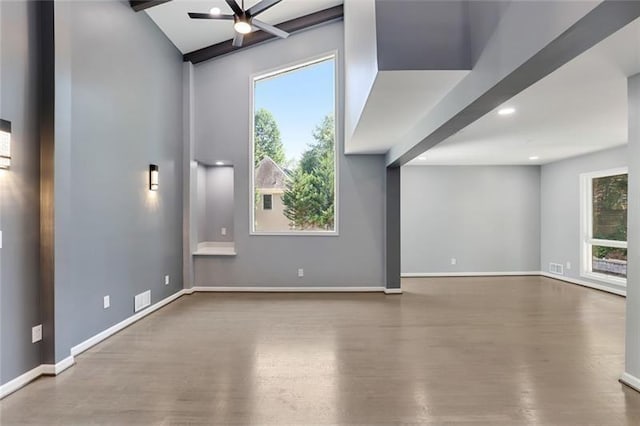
560 208
486 217
119 107
222 132
19 191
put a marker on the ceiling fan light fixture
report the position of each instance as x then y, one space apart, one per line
244 21
242 26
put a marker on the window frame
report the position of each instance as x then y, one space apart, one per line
292 66
586 228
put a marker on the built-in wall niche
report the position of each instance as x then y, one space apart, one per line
214 210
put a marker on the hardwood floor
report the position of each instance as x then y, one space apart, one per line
481 351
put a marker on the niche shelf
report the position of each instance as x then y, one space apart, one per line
209 248
214 200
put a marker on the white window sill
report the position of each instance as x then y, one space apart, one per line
603 278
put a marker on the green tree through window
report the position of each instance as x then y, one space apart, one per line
267 138
309 198
294 149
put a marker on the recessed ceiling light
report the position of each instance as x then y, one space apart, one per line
219 163
534 157
214 11
506 111
422 158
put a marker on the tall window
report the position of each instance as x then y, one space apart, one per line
294 150
604 225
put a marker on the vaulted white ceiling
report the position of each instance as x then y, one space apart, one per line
191 34
580 108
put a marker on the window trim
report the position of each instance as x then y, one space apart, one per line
586 227
333 54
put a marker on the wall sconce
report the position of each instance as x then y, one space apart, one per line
153 177
5 144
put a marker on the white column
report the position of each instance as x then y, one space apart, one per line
631 376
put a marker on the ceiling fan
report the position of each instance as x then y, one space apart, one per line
244 20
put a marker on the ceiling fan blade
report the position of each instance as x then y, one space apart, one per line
269 28
237 40
194 15
262 6
234 6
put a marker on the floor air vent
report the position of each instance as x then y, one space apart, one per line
556 268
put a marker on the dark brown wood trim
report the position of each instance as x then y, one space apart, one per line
298 24
139 5
46 119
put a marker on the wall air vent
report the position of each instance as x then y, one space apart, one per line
556 268
142 300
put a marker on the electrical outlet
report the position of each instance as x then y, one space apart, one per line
454 261
568 266
106 302
36 333
166 280
300 273
223 231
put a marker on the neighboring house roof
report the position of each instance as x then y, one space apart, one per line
268 175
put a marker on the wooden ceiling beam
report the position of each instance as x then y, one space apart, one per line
294 25
139 5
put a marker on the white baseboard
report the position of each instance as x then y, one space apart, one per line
20 381
466 274
55 369
92 341
517 273
632 381
585 283
31 375
287 289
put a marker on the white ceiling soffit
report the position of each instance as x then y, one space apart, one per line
397 101
193 34
578 109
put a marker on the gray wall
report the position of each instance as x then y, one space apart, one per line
219 203
423 35
118 109
19 191
215 203
487 217
560 207
356 256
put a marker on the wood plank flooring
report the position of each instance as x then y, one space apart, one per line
479 351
